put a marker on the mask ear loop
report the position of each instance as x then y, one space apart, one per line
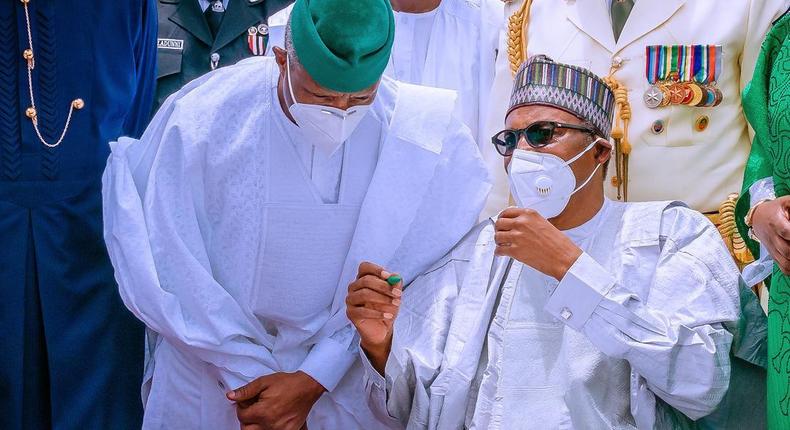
589 178
579 155
288 74
598 166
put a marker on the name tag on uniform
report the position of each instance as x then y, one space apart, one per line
174 44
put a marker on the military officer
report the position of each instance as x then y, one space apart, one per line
74 77
198 36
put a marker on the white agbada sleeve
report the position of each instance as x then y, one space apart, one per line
421 330
155 229
442 323
670 331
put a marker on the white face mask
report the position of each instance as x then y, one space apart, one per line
544 182
325 127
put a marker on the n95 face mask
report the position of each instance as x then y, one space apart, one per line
325 127
544 182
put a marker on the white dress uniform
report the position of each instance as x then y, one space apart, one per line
453 47
235 242
694 154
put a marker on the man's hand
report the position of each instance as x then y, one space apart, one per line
771 225
526 236
280 401
372 305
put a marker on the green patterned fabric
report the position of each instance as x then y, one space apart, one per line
766 103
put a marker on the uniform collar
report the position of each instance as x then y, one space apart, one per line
592 17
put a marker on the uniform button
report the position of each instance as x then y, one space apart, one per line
617 62
566 314
263 29
701 123
215 57
657 127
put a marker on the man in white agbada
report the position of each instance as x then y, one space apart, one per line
570 311
255 193
449 44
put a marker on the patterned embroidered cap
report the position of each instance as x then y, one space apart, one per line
541 81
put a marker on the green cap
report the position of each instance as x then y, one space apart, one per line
344 45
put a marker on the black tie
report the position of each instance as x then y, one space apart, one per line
214 14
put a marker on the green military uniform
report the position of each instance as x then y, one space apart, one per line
186 48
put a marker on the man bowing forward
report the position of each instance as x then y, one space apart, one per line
256 191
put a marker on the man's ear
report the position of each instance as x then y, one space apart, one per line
280 55
603 152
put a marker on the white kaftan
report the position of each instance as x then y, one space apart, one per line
224 244
637 324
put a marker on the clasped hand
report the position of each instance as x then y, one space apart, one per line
280 401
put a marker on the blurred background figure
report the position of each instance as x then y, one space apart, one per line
449 44
76 75
198 36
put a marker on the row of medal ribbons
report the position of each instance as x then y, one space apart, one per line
683 75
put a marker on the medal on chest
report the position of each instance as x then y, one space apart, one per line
682 75
258 39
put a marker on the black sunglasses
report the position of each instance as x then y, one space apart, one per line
537 135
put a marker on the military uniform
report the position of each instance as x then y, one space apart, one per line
71 355
187 49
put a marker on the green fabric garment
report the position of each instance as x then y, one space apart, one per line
344 45
766 103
